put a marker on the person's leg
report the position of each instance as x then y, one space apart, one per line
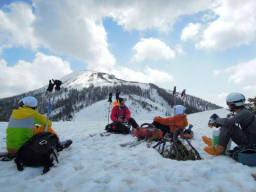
234 133
133 123
226 133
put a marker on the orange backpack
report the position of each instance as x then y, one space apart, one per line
148 131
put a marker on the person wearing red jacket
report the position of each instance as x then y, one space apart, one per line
121 114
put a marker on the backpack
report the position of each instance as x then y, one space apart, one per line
148 131
117 127
39 150
244 154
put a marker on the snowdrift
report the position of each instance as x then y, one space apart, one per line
100 164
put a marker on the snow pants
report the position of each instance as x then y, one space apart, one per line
133 123
233 132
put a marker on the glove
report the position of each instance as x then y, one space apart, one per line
212 121
214 116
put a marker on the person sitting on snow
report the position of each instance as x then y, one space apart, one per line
25 122
121 115
241 128
178 121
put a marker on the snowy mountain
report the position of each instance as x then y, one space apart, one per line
100 164
85 88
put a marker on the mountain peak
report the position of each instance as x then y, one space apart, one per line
85 78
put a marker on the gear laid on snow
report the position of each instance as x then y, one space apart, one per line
148 132
39 150
244 154
177 121
188 133
174 146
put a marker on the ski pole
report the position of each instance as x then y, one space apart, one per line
117 94
183 96
51 85
49 93
174 98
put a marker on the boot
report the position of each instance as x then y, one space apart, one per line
215 150
207 140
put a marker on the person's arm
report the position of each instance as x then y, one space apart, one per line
238 118
41 119
127 113
113 114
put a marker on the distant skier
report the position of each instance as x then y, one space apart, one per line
25 122
121 116
178 121
241 128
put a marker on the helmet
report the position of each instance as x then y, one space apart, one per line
28 101
179 109
235 99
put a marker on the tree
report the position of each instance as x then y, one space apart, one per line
251 105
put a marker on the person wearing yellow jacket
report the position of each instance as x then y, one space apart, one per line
25 122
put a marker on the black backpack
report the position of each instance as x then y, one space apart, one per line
119 128
39 150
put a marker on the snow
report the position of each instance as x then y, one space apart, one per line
100 164
84 79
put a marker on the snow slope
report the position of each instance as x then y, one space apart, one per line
97 164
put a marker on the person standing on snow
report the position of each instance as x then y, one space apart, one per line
121 114
25 122
168 125
241 128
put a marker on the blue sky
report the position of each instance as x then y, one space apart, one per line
207 47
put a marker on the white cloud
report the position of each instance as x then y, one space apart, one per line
153 49
190 32
72 29
25 76
150 14
243 76
234 26
76 28
243 72
148 76
220 99
179 50
250 91
16 27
